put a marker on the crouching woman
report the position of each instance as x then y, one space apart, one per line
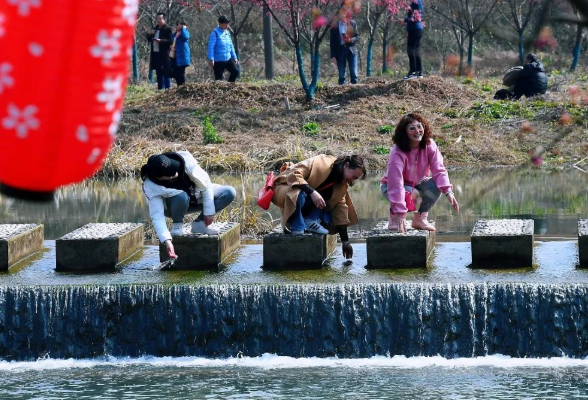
175 185
415 166
313 195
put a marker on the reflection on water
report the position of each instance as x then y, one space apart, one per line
554 199
555 263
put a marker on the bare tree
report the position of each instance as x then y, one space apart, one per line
467 16
517 14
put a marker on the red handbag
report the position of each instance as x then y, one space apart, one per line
266 193
410 206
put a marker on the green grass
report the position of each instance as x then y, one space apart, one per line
311 128
385 129
209 133
136 93
381 149
490 110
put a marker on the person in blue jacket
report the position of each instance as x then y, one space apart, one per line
221 53
180 52
415 28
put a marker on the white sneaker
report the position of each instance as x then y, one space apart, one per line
199 227
177 229
296 233
314 226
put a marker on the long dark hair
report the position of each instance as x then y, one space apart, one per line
400 137
354 161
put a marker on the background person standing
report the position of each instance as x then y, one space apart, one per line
221 52
344 36
180 53
415 29
160 38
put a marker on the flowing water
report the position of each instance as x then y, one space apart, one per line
342 332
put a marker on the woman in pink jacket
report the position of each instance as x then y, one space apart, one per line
415 163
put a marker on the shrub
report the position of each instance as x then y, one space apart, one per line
385 129
381 150
209 133
311 128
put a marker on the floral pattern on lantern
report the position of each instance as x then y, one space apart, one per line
62 83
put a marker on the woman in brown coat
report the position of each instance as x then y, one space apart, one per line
314 192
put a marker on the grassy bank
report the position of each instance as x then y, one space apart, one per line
246 127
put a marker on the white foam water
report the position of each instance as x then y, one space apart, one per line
272 361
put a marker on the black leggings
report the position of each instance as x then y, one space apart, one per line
413 48
229 65
180 75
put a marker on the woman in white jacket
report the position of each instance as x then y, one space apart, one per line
175 185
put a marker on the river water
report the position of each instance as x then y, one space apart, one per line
554 199
273 377
503 334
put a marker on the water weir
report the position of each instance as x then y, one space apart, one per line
347 320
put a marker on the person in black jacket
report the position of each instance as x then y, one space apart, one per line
529 81
161 41
344 36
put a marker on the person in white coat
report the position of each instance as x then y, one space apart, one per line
175 185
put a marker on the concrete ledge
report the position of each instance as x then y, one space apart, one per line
18 241
502 243
198 251
286 252
583 242
95 247
386 249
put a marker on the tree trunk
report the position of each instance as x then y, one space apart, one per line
135 63
268 44
470 50
577 48
385 51
461 69
368 61
302 74
236 44
521 49
316 63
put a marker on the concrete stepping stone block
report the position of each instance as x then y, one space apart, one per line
283 251
502 243
583 242
197 251
388 249
99 246
19 241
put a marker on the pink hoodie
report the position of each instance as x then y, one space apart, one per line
414 166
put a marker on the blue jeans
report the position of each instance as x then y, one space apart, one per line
178 206
346 56
296 220
163 82
428 190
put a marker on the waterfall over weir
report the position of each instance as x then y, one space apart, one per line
347 320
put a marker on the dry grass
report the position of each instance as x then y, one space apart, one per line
259 133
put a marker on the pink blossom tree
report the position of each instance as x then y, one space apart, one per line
306 22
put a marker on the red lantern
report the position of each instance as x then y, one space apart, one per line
63 73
